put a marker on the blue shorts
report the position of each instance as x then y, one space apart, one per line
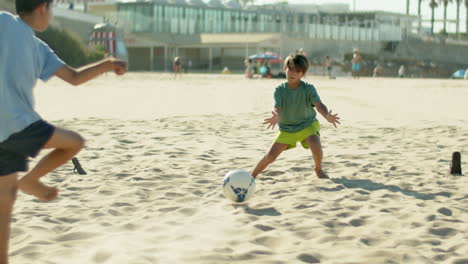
15 151
356 67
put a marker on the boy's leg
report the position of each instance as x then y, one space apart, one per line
66 145
8 187
317 153
271 156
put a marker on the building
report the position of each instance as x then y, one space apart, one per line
214 35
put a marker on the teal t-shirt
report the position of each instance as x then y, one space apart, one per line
297 106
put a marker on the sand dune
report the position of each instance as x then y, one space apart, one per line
157 150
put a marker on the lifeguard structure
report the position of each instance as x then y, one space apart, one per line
111 38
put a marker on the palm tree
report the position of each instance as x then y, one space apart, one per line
419 12
459 2
445 3
419 7
244 3
466 5
433 4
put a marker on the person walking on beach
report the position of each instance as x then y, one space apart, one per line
249 68
356 64
377 71
23 133
329 66
177 66
294 103
401 71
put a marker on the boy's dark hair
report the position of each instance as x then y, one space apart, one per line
24 7
297 62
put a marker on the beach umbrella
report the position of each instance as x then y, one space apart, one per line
458 74
269 56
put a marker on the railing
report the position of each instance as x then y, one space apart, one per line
189 26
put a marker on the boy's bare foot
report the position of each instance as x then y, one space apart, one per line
38 189
321 174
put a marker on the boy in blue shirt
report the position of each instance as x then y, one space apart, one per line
294 112
23 59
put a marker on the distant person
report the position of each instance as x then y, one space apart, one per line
263 69
294 112
356 64
466 74
225 70
177 66
378 71
401 71
329 66
249 68
23 133
189 66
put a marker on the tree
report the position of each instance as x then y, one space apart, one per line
458 2
419 7
433 4
445 3
466 5
419 12
244 3
69 47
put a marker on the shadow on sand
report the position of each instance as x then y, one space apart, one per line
258 212
373 186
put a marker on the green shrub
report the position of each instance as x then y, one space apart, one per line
69 47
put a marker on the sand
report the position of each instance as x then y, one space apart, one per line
157 150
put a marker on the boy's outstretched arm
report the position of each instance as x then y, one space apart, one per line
323 110
273 120
90 71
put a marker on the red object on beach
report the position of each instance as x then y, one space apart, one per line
106 36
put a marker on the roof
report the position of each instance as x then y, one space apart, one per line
237 38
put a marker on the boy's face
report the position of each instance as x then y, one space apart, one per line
293 75
44 15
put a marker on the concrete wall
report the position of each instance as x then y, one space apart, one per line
434 52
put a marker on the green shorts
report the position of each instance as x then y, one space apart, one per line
291 139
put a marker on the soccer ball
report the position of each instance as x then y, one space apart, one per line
238 185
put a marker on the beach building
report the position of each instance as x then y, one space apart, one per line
214 34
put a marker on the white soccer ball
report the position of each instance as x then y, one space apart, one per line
238 185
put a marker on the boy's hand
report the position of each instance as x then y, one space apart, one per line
334 119
272 121
119 66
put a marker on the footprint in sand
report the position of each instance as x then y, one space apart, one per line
274 173
102 256
75 236
357 222
445 211
461 261
264 228
307 258
443 232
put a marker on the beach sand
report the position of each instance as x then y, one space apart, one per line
157 150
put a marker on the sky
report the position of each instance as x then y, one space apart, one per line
392 6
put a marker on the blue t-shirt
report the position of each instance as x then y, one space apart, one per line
23 59
297 106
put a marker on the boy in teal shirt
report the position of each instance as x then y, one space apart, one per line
294 112
23 133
